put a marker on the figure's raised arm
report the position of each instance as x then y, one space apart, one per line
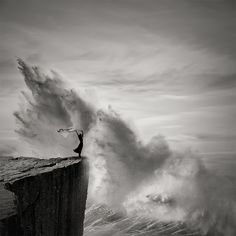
77 133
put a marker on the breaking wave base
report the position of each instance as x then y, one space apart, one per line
135 188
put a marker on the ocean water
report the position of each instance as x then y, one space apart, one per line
100 220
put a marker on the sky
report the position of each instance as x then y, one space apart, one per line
167 66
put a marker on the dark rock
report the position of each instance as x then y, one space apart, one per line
42 197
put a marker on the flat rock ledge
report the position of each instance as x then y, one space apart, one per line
43 197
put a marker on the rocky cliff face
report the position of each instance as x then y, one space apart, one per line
42 197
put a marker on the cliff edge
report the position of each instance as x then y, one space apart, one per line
42 197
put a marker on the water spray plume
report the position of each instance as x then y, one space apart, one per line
148 180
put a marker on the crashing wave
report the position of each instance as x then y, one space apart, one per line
143 180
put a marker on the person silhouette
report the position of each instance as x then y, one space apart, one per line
80 146
80 136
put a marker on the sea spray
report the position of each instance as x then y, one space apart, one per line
183 190
144 180
47 106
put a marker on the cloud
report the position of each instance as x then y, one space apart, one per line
223 82
146 58
206 137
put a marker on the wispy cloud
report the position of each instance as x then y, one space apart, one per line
223 82
213 137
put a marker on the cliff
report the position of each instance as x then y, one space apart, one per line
42 197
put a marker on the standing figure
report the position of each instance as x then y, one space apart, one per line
80 135
80 146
